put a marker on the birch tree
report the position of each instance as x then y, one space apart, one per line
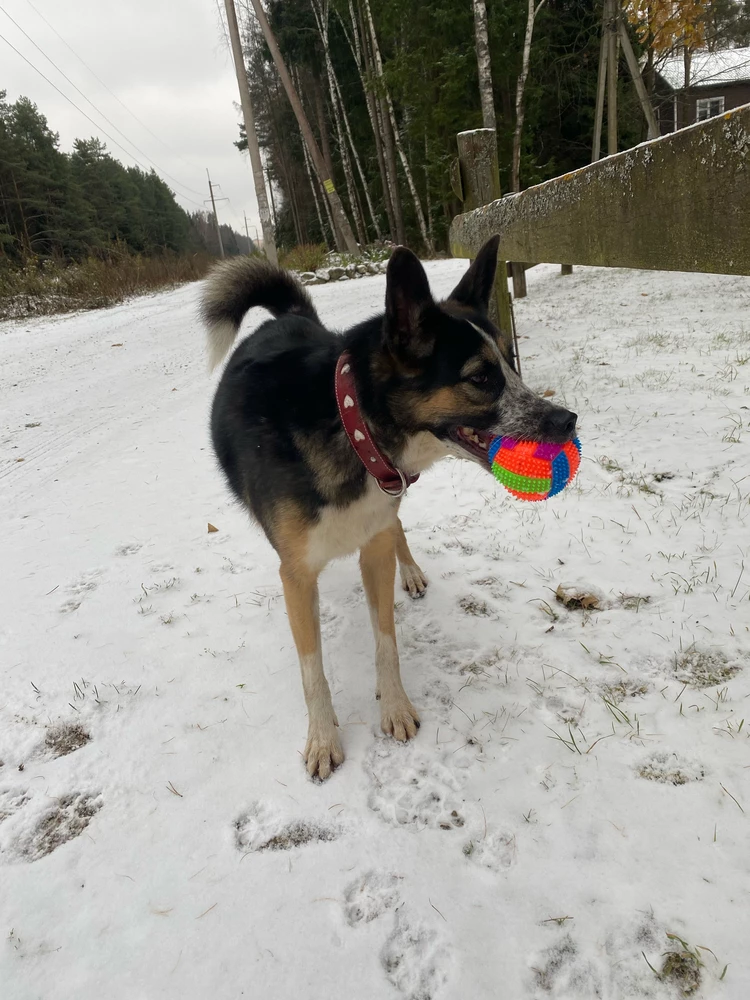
483 64
320 10
396 137
533 11
352 35
337 209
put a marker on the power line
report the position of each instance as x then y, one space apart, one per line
98 110
81 111
103 84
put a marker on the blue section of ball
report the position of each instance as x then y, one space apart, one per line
495 446
560 473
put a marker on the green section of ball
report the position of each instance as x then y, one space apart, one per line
523 484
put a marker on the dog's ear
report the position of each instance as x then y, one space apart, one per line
407 297
475 288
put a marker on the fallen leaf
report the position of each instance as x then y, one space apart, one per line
116 345
548 392
573 599
20 459
211 528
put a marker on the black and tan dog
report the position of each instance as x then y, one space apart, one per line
300 412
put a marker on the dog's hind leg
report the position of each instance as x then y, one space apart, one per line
413 579
323 750
377 560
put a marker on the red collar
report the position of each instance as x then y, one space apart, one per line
390 479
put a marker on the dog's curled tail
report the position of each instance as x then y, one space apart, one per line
238 284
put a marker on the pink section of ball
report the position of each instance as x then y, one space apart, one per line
548 451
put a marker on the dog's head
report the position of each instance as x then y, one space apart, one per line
451 377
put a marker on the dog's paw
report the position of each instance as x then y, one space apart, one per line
413 579
399 719
323 752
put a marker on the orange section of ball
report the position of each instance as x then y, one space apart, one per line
521 460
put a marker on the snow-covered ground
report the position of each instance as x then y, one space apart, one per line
580 787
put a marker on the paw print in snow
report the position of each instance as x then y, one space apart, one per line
369 896
41 824
79 588
496 851
414 960
412 786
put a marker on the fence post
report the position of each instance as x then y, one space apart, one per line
478 181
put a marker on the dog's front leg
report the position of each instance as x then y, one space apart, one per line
323 750
413 579
378 564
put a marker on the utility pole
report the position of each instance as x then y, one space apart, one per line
337 209
612 61
269 242
216 217
614 30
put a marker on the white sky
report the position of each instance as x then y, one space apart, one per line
167 60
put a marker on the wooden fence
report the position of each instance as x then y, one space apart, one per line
677 203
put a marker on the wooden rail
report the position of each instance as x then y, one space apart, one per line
678 203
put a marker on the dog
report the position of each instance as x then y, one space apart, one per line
319 434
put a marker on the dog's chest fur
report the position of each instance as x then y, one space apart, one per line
342 530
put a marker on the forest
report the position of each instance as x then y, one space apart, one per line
80 229
387 84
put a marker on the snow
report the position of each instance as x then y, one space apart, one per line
580 786
707 69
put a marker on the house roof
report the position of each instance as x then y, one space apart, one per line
708 69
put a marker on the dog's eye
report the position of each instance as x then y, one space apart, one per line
478 380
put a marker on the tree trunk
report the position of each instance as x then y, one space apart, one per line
358 162
383 128
396 137
337 209
520 87
311 179
269 241
410 179
483 64
320 12
355 45
427 187
320 114
612 73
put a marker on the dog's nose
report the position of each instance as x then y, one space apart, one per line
561 422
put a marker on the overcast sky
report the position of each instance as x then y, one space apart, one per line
167 60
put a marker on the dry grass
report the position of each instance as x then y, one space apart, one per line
305 257
65 738
52 287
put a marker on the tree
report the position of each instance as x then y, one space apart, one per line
68 206
484 65
531 16
334 201
665 25
269 243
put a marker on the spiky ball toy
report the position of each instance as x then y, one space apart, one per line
532 470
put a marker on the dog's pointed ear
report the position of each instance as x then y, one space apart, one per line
475 288
407 296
